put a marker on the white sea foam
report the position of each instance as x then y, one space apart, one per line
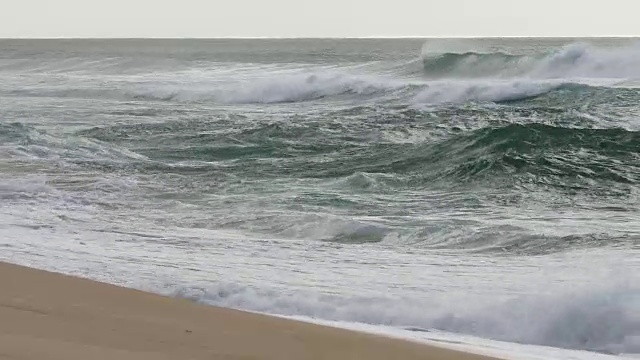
23 188
439 92
604 320
583 61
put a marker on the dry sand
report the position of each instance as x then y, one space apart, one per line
51 316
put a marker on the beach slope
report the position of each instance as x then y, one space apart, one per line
45 315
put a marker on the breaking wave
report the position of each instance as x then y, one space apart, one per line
313 87
598 320
577 60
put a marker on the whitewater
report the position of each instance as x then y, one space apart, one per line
477 193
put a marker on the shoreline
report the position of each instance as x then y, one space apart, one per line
50 315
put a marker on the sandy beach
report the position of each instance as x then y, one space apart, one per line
52 316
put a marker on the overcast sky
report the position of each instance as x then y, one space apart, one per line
325 18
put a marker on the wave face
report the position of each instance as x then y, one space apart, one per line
485 188
578 60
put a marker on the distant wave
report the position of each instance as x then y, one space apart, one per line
292 88
274 88
267 87
448 77
577 60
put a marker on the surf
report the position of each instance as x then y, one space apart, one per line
572 61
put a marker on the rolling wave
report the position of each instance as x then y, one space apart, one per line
545 154
538 153
550 152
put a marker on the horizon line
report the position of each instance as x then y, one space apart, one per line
326 37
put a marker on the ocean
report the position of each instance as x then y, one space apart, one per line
482 192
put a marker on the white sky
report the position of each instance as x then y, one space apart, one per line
319 18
